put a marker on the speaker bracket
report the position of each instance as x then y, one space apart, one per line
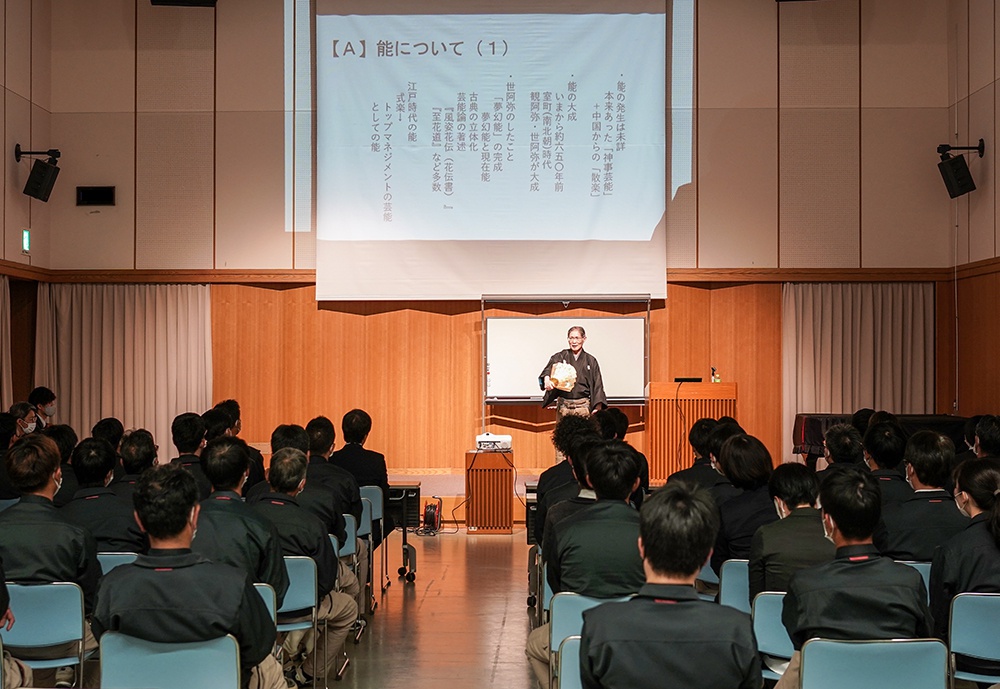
53 154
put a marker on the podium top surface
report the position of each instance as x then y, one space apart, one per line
692 391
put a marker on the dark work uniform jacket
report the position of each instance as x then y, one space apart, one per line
301 533
108 518
912 529
4 593
176 596
667 637
193 464
740 517
699 474
557 475
69 486
231 532
836 466
39 546
859 595
256 469
560 511
781 548
315 500
125 486
589 383
595 552
892 485
369 469
7 491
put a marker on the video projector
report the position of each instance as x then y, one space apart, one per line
488 441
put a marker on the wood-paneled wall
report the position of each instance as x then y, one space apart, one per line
416 366
975 371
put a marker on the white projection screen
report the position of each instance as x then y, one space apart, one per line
468 153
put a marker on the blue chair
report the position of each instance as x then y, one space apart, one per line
269 597
302 594
772 637
128 662
565 620
48 615
925 572
111 560
569 663
365 533
734 584
708 576
543 611
972 631
350 545
910 663
374 495
4 504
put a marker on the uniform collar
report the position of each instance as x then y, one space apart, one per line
668 593
225 495
166 559
92 492
278 499
32 499
858 553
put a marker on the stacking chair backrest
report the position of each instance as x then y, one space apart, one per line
47 615
111 560
373 494
365 527
734 584
708 576
350 545
302 590
269 597
972 632
925 572
4 504
569 663
772 637
910 663
566 619
128 662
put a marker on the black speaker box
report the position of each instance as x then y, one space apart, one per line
41 180
956 176
184 3
404 506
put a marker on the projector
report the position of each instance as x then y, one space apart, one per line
488 441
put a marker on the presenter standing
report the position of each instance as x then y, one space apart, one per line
580 394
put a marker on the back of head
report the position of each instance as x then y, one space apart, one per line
718 437
795 484
980 479
109 429
678 525
138 451
881 416
988 435
852 499
231 407
187 432
605 422
217 423
8 429
164 500
567 428
699 434
288 468
356 425
843 444
969 430
289 435
860 419
579 450
745 462
321 435
65 439
20 410
31 462
930 454
93 460
886 444
225 461
612 470
621 422
41 396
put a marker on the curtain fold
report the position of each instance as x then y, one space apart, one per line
140 353
6 372
851 345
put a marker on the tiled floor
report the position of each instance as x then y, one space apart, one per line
462 623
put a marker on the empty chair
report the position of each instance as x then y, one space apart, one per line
772 638
128 662
111 560
569 663
972 632
910 663
734 584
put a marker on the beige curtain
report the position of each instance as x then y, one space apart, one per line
140 353
851 345
6 387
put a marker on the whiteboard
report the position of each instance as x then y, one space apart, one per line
516 350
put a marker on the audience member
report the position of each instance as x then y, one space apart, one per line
188 434
556 483
701 472
232 407
860 420
970 560
965 453
723 490
65 439
612 424
27 420
229 530
44 402
859 595
110 429
174 595
8 431
138 453
914 528
842 446
302 533
881 416
747 464
688 642
796 540
367 467
96 507
988 436
579 448
217 424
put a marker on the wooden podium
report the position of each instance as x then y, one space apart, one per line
489 490
671 412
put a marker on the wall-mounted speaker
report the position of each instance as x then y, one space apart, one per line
956 176
41 180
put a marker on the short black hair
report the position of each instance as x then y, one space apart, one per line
322 434
225 460
698 436
794 483
860 418
138 451
612 469
745 461
678 525
852 499
30 462
567 428
93 460
843 442
110 429
41 396
187 432
719 435
231 407
886 444
605 423
881 416
931 455
621 421
356 425
988 434
217 422
289 435
580 448
65 438
969 429
288 468
164 497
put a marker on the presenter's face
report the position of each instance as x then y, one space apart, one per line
576 341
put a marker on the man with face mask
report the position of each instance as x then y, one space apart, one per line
27 420
44 402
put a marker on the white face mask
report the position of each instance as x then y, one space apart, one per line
30 428
59 485
777 508
827 534
962 506
49 409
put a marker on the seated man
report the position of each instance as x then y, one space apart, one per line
229 530
885 445
842 447
173 595
302 533
859 595
96 507
912 529
579 447
232 408
557 483
188 434
138 453
687 643
66 440
367 466
700 472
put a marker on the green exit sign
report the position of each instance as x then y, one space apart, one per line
25 241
